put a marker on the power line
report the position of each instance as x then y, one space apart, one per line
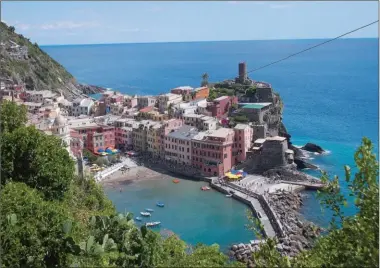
292 55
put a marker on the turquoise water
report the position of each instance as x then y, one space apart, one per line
194 215
330 93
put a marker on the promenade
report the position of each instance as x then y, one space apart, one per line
126 162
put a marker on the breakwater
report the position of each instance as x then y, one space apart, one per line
271 225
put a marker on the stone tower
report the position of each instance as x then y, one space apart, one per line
242 72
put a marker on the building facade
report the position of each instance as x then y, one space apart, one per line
178 145
212 151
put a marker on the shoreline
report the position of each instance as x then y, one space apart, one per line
293 232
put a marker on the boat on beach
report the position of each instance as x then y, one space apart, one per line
205 188
152 224
149 209
138 219
145 214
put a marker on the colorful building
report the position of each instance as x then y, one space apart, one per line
242 142
178 145
184 90
154 138
221 106
212 151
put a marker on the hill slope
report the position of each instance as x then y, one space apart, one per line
25 63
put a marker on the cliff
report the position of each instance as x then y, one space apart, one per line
25 63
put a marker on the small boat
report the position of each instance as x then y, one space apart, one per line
149 210
145 214
205 188
159 204
228 195
176 180
138 219
152 224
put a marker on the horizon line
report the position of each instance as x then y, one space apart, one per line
202 41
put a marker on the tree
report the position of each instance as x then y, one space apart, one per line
204 79
212 95
29 156
89 155
38 238
12 29
12 116
356 242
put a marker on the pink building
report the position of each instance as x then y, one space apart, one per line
186 90
76 143
96 137
123 133
118 98
243 140
212 151
178 145
220 106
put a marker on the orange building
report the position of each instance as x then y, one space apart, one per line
201 93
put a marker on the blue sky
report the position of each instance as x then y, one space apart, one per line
77 22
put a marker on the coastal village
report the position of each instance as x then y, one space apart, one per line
232 140
182 126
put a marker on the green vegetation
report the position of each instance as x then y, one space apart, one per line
204 80
90 156
38 70
51 218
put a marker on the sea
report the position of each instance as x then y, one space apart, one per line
330 95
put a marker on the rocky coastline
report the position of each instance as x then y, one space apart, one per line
299 233
90 89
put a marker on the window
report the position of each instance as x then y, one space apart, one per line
225 156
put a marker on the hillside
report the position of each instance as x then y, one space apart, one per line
25 63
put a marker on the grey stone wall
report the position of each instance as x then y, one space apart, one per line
264 94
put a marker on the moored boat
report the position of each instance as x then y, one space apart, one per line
149 210
228 195
205 188
159 204
146 214
152 224
138 219
176 180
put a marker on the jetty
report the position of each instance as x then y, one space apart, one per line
306 184
259 205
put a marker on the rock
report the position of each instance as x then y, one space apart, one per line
299 223
299 246
234 247
293 244
311 147
239 257
279 247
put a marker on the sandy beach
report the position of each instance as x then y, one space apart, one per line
133 174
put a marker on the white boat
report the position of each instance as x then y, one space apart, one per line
152 224
149 210
228 195
146 214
